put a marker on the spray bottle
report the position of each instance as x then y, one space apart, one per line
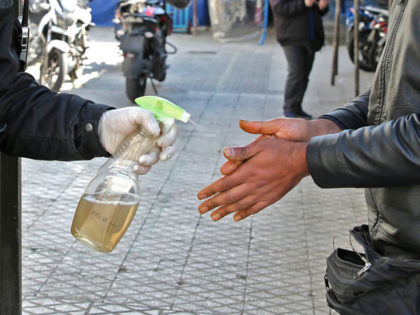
110 200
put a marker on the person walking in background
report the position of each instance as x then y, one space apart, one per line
300 32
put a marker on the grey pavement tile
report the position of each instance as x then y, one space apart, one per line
52 306
103 308
211 304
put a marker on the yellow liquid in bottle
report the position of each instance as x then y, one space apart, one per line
100 224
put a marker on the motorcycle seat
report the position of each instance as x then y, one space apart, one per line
376 10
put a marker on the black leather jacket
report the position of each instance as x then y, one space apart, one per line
34 121
380 148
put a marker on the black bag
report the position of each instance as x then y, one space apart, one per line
368 283
315 45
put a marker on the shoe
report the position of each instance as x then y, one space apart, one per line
289 115
302 114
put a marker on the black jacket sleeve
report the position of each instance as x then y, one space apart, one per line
324 12
36 122
373 156
366 156
353 115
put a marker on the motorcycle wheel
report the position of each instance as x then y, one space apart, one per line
364 63
159 66
162 75
375 53
34 51
53 70
135 87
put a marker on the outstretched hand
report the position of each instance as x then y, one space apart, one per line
270 168
293 129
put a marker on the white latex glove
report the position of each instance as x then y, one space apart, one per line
163 152
115 125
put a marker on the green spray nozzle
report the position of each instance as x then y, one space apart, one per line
162 108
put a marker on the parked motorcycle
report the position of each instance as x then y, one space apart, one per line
60 41
142 26
373 23
378 36
37 10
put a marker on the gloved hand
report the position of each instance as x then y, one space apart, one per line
115 125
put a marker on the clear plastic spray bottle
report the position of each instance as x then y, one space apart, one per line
111 198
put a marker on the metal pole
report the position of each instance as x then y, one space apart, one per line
356 48
266 11
10 229
10 236
336 41
195 18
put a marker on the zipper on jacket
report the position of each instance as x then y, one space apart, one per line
362 271
387 60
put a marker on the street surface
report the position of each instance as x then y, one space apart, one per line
172 260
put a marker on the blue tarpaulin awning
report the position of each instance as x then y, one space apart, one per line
103 12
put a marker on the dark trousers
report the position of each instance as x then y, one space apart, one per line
299 61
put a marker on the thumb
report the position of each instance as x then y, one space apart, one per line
146 119
238 154
229 167
260 127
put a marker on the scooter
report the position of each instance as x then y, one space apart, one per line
142 26
37 10
378 36
62 33
369 32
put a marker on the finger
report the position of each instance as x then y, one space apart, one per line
242 214
168 138
264 127
235 178
219 185
259 127
224 198
166 124
244 203
238 154
141 170
229 167
167 153
150 158
145 119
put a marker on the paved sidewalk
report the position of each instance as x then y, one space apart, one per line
172 260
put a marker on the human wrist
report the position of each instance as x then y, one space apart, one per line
102 132
87 134
320 127
300 158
